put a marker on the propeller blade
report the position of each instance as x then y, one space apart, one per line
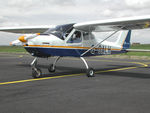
26 37
15 42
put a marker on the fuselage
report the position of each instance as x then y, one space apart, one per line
50 45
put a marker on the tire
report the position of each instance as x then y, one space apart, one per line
36 73
90 72
51 68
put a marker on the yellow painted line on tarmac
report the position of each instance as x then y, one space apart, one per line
46 78
120 69
20 56
126 68
55 77
143 64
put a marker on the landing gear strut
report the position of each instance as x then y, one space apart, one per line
90 71
36 72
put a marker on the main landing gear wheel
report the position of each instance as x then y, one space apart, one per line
51 68
36 73
90 72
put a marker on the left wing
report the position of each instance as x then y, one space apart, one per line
26 29
115 24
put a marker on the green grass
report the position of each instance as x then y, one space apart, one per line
12 49
142 46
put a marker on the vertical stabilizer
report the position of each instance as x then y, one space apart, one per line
124 39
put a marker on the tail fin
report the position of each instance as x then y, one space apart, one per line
124 39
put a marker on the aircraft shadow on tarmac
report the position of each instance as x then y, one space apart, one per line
64 70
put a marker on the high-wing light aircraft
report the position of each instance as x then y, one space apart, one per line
77 40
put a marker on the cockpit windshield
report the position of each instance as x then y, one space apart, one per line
61 31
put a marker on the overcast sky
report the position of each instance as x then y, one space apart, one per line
49 12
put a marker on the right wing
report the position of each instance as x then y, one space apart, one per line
117 24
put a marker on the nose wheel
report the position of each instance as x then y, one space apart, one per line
36 73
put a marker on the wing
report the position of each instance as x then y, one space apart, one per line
27 29
115 24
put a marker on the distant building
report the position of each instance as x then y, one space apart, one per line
137 43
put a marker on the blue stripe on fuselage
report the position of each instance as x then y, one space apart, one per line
46 52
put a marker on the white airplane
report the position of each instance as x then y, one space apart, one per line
77 40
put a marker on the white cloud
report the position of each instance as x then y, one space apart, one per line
138 3
107 12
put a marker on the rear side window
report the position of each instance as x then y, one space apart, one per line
86 36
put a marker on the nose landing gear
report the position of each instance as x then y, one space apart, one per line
36 72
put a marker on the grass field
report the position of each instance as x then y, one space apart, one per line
20 49
12 49
142 46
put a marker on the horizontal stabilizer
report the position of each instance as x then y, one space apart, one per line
137 50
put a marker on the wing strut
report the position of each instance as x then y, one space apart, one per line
99 43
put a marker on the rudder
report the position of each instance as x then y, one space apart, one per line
124 39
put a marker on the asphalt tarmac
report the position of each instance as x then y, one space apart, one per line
119 86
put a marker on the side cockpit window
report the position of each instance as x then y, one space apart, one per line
75 38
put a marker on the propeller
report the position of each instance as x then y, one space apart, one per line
24 38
